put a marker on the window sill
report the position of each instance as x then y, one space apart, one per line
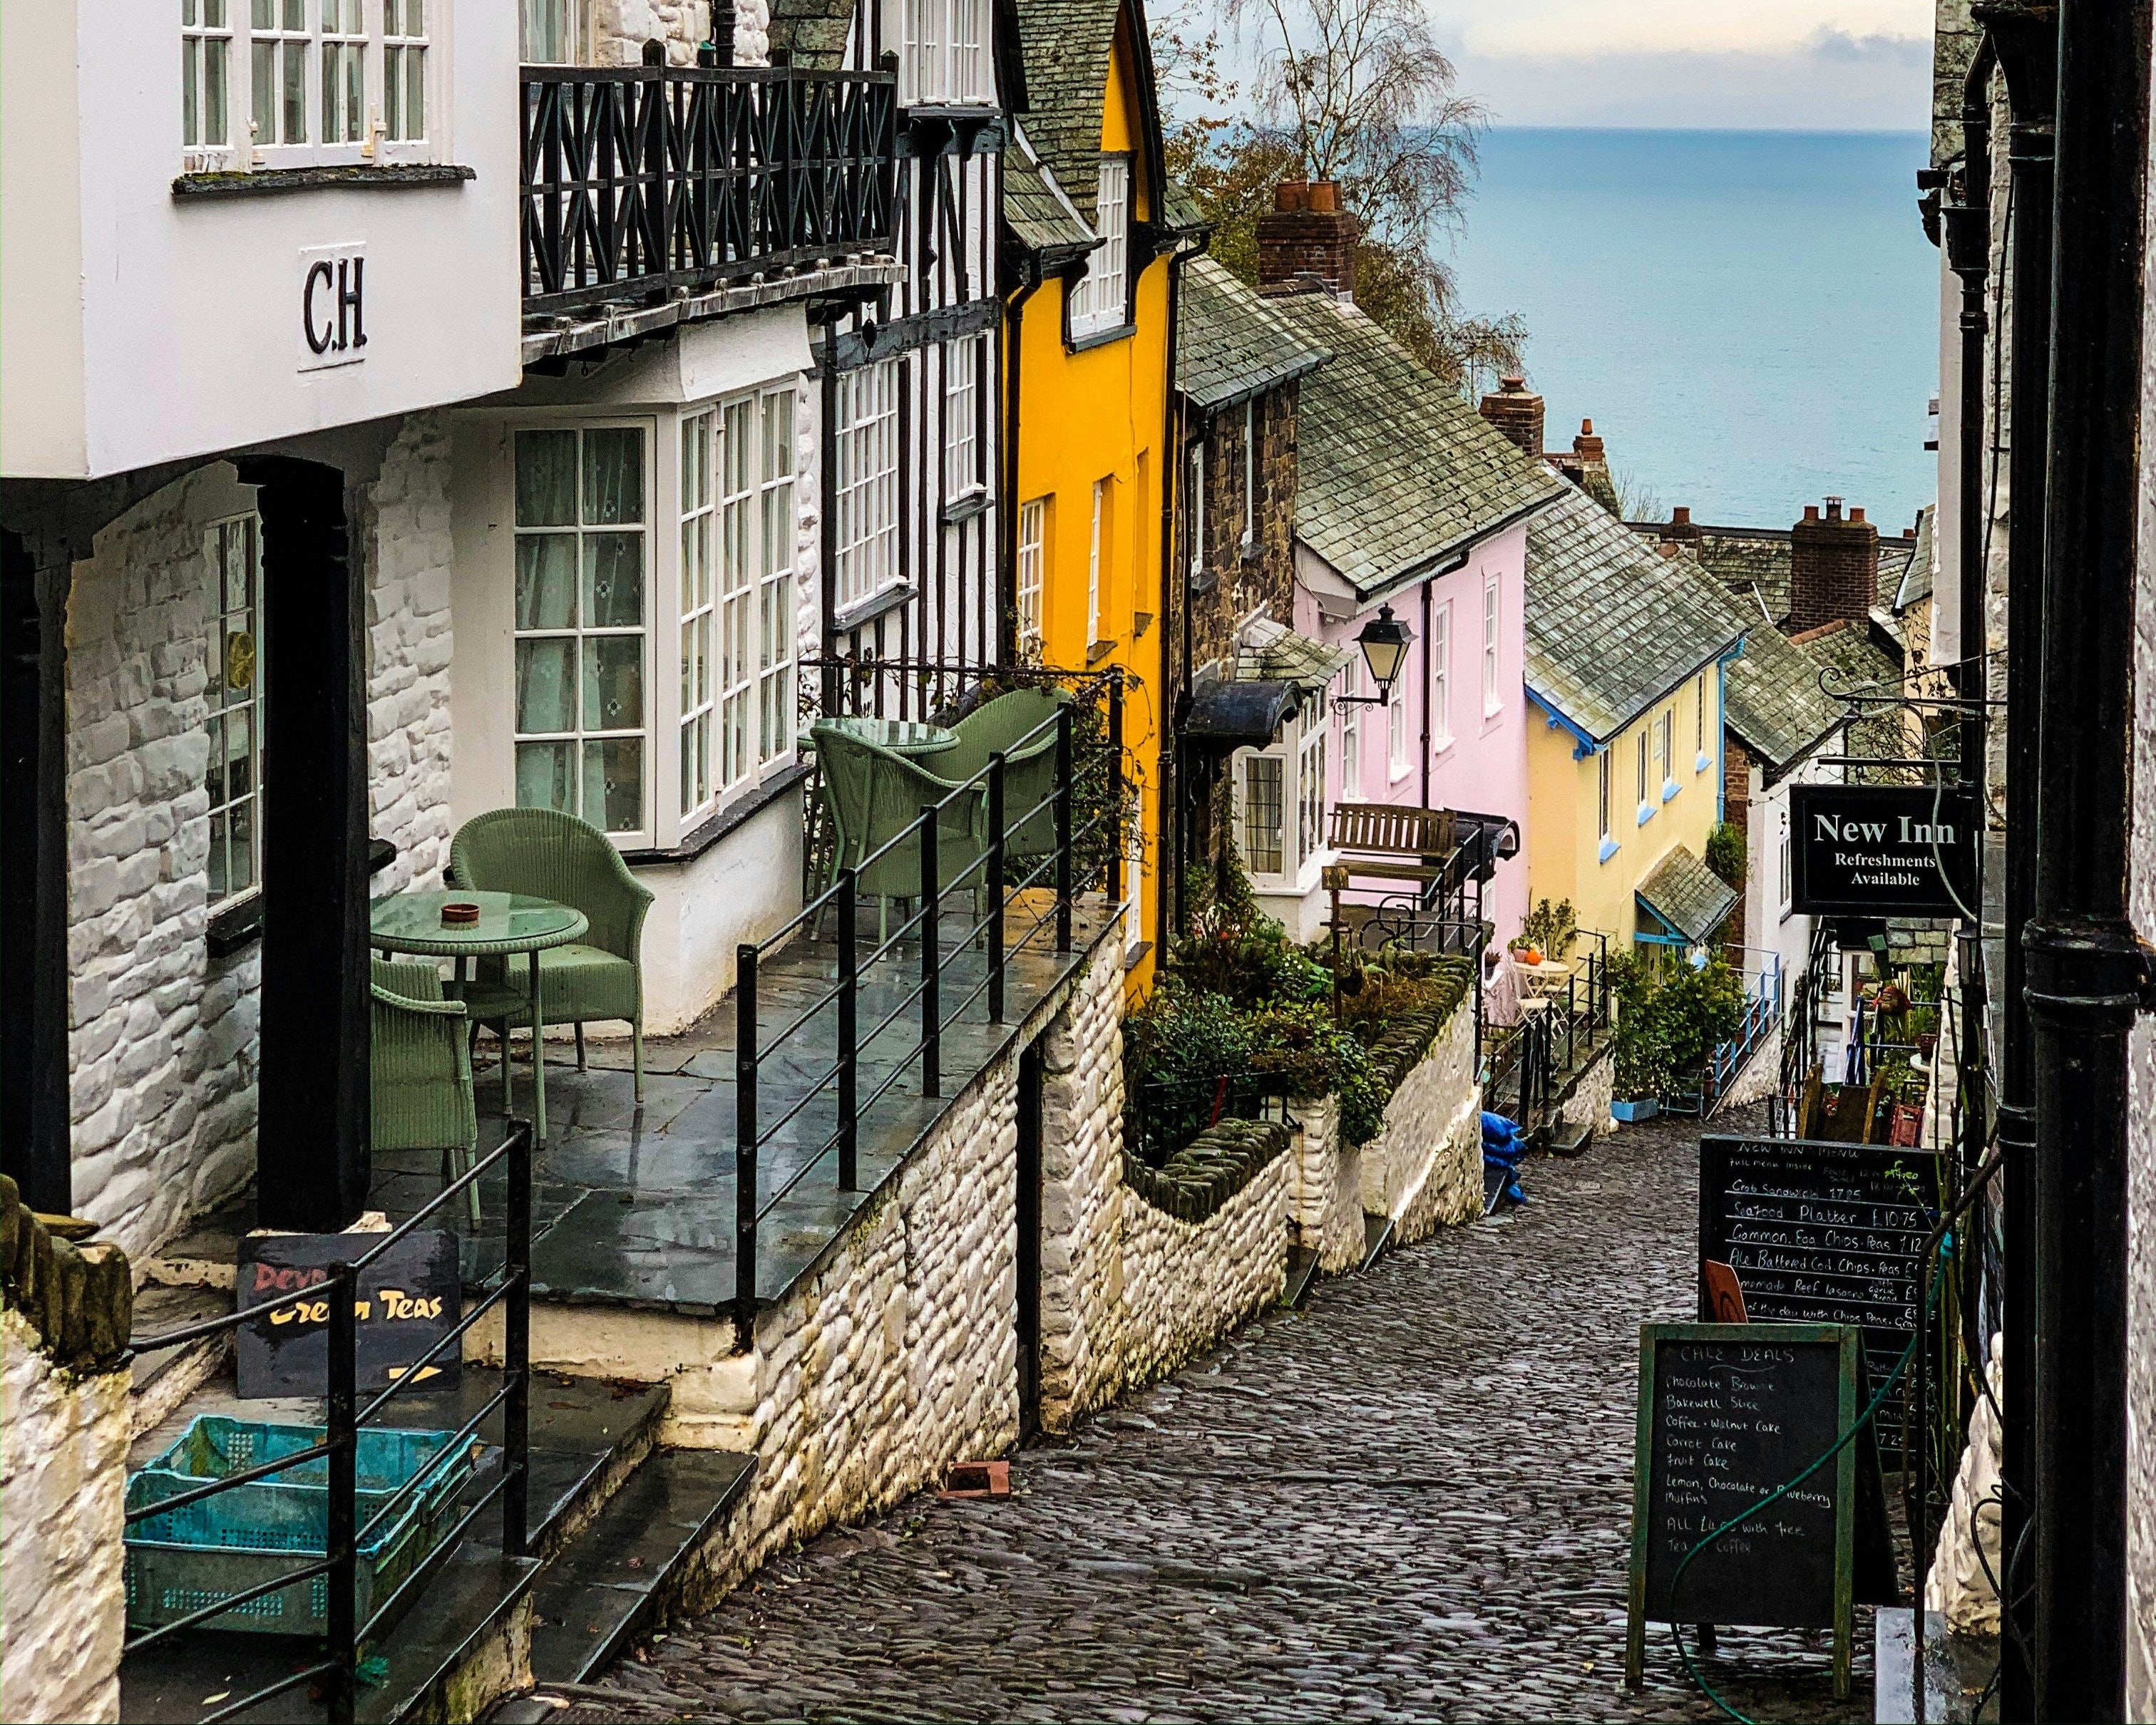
865 611
1203 581
1670 789
269 181
1609 848
1702 762
1097 652
1646 813
234 927
1442 744
1101 338
1135 955
730 818
974 500
1397 770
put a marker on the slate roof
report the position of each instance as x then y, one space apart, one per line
1772 700
1268 651
1747 558
1394 472
812 31
1230 343
1687 894
1613 625
1917 578
1066 44
1039 217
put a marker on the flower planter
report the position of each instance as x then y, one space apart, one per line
1646 1108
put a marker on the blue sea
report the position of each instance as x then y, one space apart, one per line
1751 319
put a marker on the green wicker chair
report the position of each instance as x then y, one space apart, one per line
549 854
874 795
1029 766
419 1075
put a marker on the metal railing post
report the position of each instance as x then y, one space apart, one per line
516 1352
745 1131
850 983
996 893
931 959
1115 848
1062 828
342 1602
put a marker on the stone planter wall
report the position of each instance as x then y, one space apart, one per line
1592 1092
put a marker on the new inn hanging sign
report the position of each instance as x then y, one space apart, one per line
1882 850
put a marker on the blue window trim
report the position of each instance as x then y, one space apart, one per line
1702 762
1646 813
1670 789
1609 848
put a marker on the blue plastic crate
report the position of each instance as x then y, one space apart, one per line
209 1550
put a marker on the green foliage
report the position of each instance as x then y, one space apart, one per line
1670 1017
1553 930
1183 1035
1298 1044
1395 982
1725 854
1247 956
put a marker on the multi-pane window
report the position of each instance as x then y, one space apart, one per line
1249 474
775 500
1310 795
866 483
1262 791
405 70
1665 745
943 61
344 72
1194 512
1100 300
738 541
1095 557
699 762
548 31
205 72
962 448
1134 874
1782 866
1032 560
1601 792
234 551
1441 674
1396 726
281 43
1351 730
1699 722
579 623
1643 769
1492 690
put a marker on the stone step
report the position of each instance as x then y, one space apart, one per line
1571 1138
623 1572
1377 1235
1301 1271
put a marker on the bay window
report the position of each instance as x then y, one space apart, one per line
866 483
581 567
334 82
405 70
233 549
343 72
281 45
1310 795
1263 777
1099 300
1284 791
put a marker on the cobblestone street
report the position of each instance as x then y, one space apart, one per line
1411 1500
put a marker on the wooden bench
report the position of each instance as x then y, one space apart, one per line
1388 842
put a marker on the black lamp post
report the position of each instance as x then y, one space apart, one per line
1384 643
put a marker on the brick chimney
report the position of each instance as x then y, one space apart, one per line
1834 567
1307 241
1680 528
1516 411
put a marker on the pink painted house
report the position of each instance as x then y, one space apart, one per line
1405 497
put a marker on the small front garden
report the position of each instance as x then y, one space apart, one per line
1243 1014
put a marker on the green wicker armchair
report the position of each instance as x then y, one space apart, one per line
549 854
1029 765
873 795
419 1075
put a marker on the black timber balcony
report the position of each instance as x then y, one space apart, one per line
644 184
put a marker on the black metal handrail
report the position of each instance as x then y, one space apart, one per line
343 1421
640 181
751 1050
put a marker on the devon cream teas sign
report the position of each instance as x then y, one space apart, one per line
1882 850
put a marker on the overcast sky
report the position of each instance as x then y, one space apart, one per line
1803 64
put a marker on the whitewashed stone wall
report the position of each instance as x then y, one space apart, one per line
1326 1200
619 28
1592 1093
1967 1558
63 1482
163 1038
1424 1170
1761 1077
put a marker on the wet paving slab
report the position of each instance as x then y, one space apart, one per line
1411 1500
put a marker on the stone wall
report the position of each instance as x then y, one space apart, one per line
65 1315
1592 1093
1424 1170
163 1032
619 28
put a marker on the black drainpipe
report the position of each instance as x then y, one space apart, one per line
2028 51
1168 865
2087 971
1014 340
1425 688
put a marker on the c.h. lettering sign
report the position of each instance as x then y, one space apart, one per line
332 305
1882 850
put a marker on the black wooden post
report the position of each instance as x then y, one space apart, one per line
744 1135
516 1351
34 577
849 989
932 970
340 1615
313 1168
996 893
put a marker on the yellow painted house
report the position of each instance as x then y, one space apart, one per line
1088 252
1625 654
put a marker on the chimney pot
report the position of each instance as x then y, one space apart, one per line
1681 514
1291 195
1833 509
1857 513
1587 428
1324 197
1811 511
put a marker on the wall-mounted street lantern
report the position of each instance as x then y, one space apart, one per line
1384 643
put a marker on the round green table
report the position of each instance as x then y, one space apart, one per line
508 923
901 737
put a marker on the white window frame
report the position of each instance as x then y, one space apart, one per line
943 58
1783 871
865 486
343 52
1102 550
1249 475
405 41
1270 763
539 20
1310 795
647 731
1396 729
207 63
1493 614
1351 730
1100 299
1032 570
961 441
1665 743
1193 510
234 544
1134 928
1701 758
1440 676
778 501
1604 774
1646 803
341 73
696 586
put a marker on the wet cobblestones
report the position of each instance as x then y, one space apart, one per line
1411 1501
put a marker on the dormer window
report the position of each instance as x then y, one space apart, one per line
1100 300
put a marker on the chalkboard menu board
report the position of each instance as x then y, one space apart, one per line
1728 1413
1822 1233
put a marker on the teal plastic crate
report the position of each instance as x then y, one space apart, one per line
205 1551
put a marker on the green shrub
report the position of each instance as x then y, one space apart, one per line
1250 960
1670 1017
1553 930
1725 854
1298 1044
